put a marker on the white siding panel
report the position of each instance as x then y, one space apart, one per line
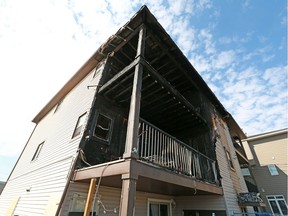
111 199
230 193
47 175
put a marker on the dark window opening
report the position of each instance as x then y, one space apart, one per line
158 210
103 127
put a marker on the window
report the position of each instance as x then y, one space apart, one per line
103 127
277 204
58 106
37 152
273 169
78 204
245 172
159 207
229 159
79 125
98 69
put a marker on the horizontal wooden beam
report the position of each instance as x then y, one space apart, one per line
145 170
109 169
153 72
119 75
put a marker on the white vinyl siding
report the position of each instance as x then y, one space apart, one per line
48 174
110 197
230 178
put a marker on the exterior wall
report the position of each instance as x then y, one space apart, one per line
200 202
38 182
270 148
110 197
230 176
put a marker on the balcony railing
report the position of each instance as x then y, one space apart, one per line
161 149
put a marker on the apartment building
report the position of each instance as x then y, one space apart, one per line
136 131
268 158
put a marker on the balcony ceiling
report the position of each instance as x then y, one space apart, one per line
164 84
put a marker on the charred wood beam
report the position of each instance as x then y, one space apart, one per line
115 57
128 57
170 88
126 88
156 59
132 47
118 83
119 75
127 39
162 66
134 110
172 58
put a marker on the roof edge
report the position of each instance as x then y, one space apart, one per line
267 134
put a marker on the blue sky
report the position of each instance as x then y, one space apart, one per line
238 47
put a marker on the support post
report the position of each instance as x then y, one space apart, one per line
134 111
128 193
90 197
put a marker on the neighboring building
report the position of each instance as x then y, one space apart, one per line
268 158
137 130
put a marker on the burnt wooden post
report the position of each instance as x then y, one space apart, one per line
129 180
134 111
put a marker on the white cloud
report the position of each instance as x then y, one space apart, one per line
41 40
224 59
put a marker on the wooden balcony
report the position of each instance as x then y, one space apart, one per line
161 149
164 165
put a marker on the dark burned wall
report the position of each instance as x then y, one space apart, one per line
201 138
98 150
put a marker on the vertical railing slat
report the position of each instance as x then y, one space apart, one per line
161 148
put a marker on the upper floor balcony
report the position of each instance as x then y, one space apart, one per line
159 148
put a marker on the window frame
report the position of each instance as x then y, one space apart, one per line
58 105
277 198
159 202
98 69
37 152
229 159
273 169
109 130
78 127
83 197
245 171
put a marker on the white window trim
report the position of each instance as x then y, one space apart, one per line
37 152
273 169
276 199
160 201
84 115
